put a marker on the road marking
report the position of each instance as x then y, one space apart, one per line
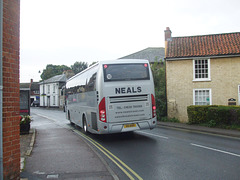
39 172
164 137
52 176
111 156
218 150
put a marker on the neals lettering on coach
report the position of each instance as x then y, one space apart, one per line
127 90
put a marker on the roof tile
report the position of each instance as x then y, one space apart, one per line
57 78
151 54
205 45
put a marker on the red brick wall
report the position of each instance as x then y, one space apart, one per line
11 106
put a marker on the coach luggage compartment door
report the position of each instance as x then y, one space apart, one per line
132 107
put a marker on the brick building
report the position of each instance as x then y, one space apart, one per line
10 138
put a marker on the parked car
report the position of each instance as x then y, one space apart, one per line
36 103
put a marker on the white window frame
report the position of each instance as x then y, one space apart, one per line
48 89
209 71
206 89
239 95
54 88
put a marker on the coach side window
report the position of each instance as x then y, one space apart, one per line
91 85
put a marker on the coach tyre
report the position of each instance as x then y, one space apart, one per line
69 118
85 124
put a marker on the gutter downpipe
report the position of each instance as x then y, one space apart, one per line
1 91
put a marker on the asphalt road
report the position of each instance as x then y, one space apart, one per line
162 153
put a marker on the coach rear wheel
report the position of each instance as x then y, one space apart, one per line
85 125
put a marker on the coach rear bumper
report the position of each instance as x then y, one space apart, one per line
127 126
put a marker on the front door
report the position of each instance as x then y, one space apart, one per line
48 101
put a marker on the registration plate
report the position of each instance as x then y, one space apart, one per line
129 125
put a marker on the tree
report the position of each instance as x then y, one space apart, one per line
69 73
53 70
79 66
92 63
158 70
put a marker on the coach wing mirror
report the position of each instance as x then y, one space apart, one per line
90 84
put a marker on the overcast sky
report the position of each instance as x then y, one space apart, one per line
65 31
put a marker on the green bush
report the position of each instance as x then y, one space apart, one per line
219 115
213 116
166 119
158 71
160 103
197 114
235 116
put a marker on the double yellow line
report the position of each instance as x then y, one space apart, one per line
111 156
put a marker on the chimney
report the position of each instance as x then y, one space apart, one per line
31 81
168 34
168 37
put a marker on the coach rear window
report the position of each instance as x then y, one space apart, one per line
126 72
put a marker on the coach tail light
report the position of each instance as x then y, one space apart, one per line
153 106
102 111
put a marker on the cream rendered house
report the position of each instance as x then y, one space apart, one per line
51 91
201 70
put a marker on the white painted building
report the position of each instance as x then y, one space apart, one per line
50 91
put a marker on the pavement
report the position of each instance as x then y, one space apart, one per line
88 154
58 154
26 146
202 129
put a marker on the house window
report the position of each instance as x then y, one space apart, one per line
239 95
54 88
201 69
48 89
202 97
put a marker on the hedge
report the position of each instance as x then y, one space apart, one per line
214 115
197 114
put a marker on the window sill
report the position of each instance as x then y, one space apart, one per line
201 80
